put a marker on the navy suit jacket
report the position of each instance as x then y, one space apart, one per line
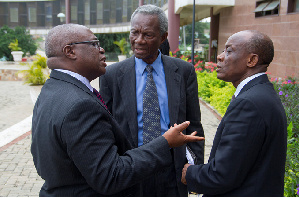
118 89
249 150
79 149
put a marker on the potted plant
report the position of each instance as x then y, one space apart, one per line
122 45
16 50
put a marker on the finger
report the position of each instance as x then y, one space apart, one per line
194 133
182 126
190 138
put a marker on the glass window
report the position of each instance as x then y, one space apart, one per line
3 13
93 15
119 11
124 8
100 10
80 12
106 12
293 6
264 8
14 15
74 10
32 14
48 9
41 14
87 12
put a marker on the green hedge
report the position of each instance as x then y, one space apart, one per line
214 91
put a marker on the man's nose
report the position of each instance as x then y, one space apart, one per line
102 51
220 57
139 39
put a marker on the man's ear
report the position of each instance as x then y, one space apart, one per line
252 60
69 52
164 37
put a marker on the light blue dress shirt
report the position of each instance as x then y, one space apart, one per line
160 81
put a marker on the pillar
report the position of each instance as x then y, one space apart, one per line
141 2
174 26
68 11
214 33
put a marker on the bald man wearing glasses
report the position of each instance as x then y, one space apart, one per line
78 147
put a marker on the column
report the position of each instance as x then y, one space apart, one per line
174 26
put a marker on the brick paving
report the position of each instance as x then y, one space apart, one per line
18 176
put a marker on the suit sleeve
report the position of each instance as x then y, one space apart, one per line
241 140
93 145
194 116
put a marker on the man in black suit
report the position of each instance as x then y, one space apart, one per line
249 150
123 85
78 147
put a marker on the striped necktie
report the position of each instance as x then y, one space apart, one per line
99 96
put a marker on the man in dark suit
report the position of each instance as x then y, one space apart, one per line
249 150
78 147
123 85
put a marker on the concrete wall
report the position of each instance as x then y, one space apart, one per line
283 29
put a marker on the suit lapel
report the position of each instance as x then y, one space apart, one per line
126 82
173 80
258 80
69 79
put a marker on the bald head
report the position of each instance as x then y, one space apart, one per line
59 36
262 45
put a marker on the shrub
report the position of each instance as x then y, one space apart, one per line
25 41
35 75
288 91
214 91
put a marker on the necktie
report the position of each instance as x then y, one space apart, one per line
151 111
99 96
232 98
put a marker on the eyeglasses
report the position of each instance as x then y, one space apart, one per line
94 43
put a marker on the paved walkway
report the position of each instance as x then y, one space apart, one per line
18 175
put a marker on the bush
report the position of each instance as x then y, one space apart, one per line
25 41
35 74
214 91
288 91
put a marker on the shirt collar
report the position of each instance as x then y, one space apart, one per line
156 65
244 82
82 79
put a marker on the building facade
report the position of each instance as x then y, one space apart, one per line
277 18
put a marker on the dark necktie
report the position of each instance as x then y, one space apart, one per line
99 96
232 98
151 111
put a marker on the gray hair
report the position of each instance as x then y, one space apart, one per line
154 10
262 45
59 36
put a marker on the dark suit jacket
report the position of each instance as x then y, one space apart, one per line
118 89
249 149
79 149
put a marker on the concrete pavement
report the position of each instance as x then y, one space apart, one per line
18 175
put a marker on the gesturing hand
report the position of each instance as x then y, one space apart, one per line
176 138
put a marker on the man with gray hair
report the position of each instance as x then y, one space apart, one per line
78 148
153 91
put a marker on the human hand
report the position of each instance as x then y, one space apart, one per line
176 138
183 180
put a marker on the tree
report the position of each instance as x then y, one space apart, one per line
25 41
199 27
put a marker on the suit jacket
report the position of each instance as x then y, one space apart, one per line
118 89
79 149
249 149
